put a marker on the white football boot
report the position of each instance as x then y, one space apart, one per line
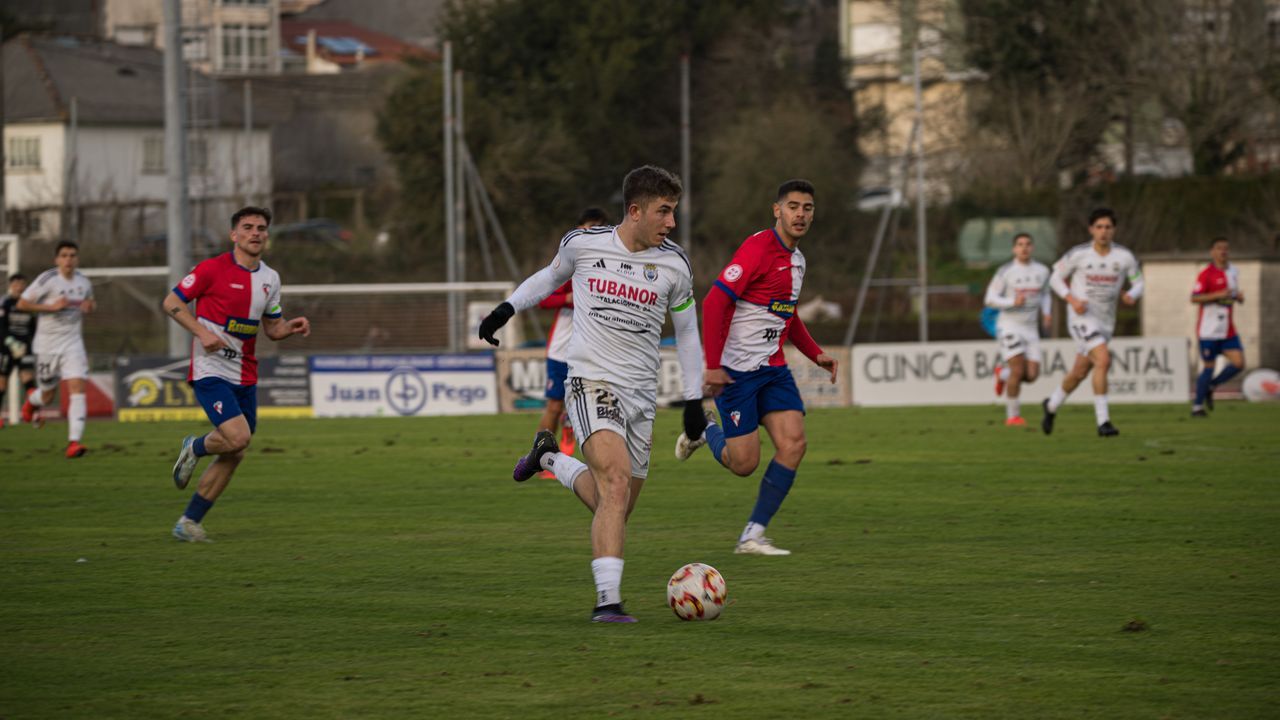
188 530
685 446
759 546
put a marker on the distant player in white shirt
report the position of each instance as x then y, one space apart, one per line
1097 272
65 296
1019 291
626 279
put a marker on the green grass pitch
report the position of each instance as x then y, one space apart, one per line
944 566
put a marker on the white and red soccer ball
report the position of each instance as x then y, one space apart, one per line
1262 385
696 592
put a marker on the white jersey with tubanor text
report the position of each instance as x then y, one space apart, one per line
1013 280
1098 280
59 332
620 301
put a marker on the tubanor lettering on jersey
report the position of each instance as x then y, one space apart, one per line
622 290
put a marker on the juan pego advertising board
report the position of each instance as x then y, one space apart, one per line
403 385
1143 370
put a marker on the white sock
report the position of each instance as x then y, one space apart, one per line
608 574
1012 407
1058 397
753 531
1100 409
36 397
77 409
1003 373
567 468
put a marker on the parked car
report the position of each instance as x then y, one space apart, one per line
316 232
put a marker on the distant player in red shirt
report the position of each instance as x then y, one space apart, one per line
558 347
747 315
235 294
1216 291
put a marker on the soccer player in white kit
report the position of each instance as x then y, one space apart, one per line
1097 271
1018 291
625 280
64 295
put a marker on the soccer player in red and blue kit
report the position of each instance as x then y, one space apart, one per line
1216 291
236 293
747 315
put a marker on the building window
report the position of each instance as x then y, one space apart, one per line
197 154
153 161
245 47
153 155
195 45
23 153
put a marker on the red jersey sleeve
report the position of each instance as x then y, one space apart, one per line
558 299
197 281
742 270
1204 282
799 336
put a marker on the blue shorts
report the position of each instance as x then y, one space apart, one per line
223 401
1211 349
752 395
557 373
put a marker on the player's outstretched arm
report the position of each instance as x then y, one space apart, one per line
799 336
532 291
176 308
277 328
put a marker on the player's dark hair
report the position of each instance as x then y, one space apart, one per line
594 216
65 244
1022 235
248 210
17 276
647 183
1103 212
1215 241
796 185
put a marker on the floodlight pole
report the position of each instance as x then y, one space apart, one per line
922 256
450 217
686 161
175 147
460 195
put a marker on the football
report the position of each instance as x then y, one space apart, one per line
1262 385
696 592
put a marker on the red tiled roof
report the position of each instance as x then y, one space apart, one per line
339 34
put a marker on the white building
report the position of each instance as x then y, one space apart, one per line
84 130
218 36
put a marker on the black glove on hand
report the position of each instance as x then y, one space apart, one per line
494 321
695 420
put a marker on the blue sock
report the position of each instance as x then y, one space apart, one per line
197 447
716 441
773 490
197 508
1202 384
1227 373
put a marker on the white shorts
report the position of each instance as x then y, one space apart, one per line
52 367
594 405
1087 332
1016 340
